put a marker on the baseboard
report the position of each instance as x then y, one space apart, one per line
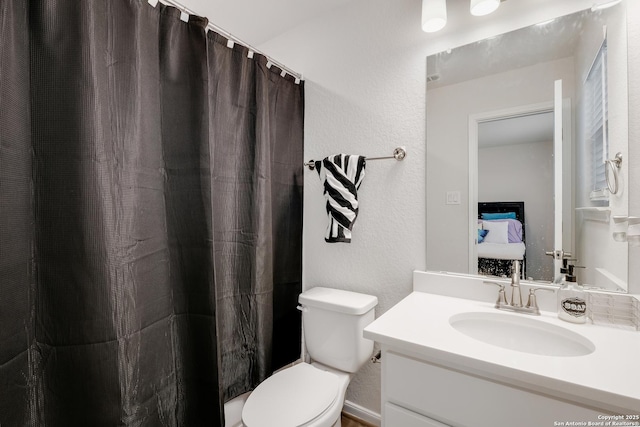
362 413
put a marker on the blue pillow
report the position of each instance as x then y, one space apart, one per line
481 234
504 215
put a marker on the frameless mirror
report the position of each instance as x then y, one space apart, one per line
519 129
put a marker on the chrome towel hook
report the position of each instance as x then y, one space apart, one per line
613 164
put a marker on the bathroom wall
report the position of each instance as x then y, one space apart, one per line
365 94
633 33
594 237
365 71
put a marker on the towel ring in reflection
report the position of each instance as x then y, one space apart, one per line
613 164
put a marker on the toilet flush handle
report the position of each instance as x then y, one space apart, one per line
302 308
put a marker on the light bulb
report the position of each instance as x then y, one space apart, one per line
434 15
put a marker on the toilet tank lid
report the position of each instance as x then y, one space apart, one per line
338 300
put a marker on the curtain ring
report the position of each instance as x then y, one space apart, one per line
614 165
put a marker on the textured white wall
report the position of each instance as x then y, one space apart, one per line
365 69
365 94
633 165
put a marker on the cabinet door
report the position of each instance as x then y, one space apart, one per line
464 400
396 416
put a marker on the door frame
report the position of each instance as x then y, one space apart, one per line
474 121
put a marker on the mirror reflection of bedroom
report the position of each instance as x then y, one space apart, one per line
567 209
515 193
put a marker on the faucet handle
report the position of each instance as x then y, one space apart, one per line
532 302
502 296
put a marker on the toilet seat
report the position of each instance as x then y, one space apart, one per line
291 397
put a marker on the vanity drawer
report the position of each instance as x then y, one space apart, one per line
464 400
397 416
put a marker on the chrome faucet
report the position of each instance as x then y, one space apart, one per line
516 296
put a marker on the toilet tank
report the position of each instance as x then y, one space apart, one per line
333 322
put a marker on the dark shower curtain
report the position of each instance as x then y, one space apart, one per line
150 216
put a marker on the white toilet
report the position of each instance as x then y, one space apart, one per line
312 395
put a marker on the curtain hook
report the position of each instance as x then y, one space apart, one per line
184 15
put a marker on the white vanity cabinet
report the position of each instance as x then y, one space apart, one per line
435 375
397 416
418 393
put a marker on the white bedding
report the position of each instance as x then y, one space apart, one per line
501 250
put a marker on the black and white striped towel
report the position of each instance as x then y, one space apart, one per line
341 176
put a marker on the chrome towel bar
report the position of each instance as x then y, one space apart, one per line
399 154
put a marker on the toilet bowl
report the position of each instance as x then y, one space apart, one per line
312 395
309 395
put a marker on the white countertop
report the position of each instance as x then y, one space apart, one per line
607 379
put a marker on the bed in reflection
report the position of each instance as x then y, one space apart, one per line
501 238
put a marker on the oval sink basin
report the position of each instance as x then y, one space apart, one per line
522 334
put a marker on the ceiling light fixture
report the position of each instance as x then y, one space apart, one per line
434 15
483 7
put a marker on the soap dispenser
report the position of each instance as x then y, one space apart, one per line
572 299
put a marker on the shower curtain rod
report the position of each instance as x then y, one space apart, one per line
399 154
231 37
